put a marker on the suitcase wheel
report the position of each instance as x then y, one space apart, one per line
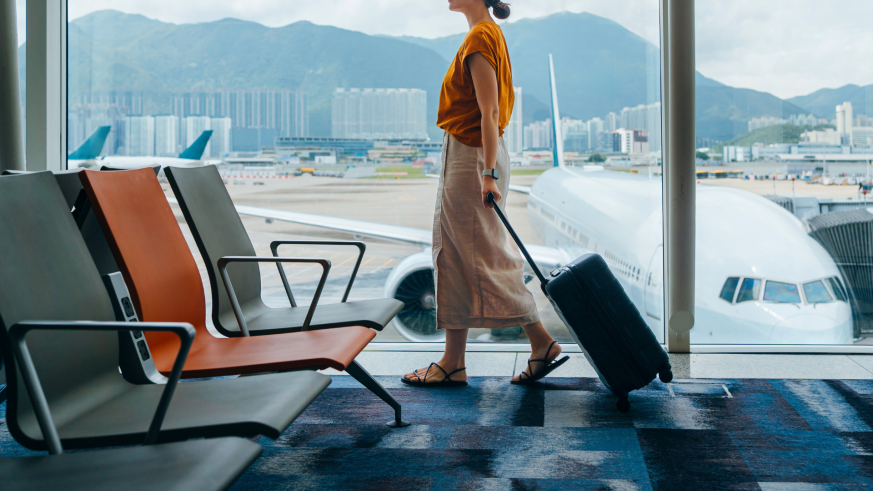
623 405
666 376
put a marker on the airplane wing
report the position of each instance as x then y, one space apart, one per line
546 257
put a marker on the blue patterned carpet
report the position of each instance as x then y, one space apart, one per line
567 434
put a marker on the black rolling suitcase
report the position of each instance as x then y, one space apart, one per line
604 322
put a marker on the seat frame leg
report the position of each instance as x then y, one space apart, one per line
363 376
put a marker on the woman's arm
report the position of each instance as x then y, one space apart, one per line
485 83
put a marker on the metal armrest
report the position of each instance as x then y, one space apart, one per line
274 246
17 333
240 318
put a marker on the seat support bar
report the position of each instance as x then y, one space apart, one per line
363 376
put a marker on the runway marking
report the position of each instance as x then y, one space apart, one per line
367 261
387 262
352 258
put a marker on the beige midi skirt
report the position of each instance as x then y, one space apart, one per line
478 270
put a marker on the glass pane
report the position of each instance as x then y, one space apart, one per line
749 291
837 288
729 288
21 13
816 292
776 291
785 141
334 118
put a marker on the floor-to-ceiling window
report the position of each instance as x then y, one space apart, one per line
785 145
329 108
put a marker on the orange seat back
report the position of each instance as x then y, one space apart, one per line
150 250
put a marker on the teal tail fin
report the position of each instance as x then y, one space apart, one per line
93 145
195 151
557 132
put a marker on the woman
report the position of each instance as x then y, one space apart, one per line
477 269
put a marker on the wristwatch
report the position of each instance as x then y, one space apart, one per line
494 173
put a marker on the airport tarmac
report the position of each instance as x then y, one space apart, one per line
787 188
405 202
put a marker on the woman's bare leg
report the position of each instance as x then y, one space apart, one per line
540 340
453 359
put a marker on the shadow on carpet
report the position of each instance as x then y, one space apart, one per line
566 434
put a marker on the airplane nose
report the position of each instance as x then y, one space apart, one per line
811 329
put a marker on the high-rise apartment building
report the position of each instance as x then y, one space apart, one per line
644 117
513 134
538 135
630 141
612 123
84 119
380 114
575 135
220 141
285 111
167 136
139 136
129 101
845 121
596 129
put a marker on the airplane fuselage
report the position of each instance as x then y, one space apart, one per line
739 235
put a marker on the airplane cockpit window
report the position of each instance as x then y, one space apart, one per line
777 291
816 292
837 288
749 290
729 288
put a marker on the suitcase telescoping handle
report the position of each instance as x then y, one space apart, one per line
490 198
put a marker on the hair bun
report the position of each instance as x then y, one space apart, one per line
500 9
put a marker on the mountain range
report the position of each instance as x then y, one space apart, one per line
600 67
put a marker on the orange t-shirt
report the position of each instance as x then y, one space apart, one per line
459 112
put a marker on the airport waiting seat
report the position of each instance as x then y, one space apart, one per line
165 286
206 465
47 275
219 232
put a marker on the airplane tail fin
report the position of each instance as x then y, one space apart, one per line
557 132
93 145
195 151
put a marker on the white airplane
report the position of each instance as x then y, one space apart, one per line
87 155
760 279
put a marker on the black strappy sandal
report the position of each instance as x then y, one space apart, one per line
547 369
446 382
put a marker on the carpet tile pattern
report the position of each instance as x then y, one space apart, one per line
566 434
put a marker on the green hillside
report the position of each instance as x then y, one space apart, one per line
781 133
109 49
825 101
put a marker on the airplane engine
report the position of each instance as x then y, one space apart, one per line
412 283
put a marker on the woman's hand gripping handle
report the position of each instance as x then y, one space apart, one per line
490 193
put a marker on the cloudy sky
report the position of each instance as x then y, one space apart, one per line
786 47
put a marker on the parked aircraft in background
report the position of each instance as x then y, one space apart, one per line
88 155
761 279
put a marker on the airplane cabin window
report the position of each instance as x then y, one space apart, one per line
816 292
837 288
749 290
729 288
776 291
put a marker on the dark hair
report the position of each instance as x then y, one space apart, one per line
500 9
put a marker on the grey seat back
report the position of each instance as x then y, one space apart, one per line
47 274
218 232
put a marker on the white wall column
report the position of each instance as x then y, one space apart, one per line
679 147
46 85
11 139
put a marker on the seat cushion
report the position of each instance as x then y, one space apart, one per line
199 465
213 357
375 314
259 405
